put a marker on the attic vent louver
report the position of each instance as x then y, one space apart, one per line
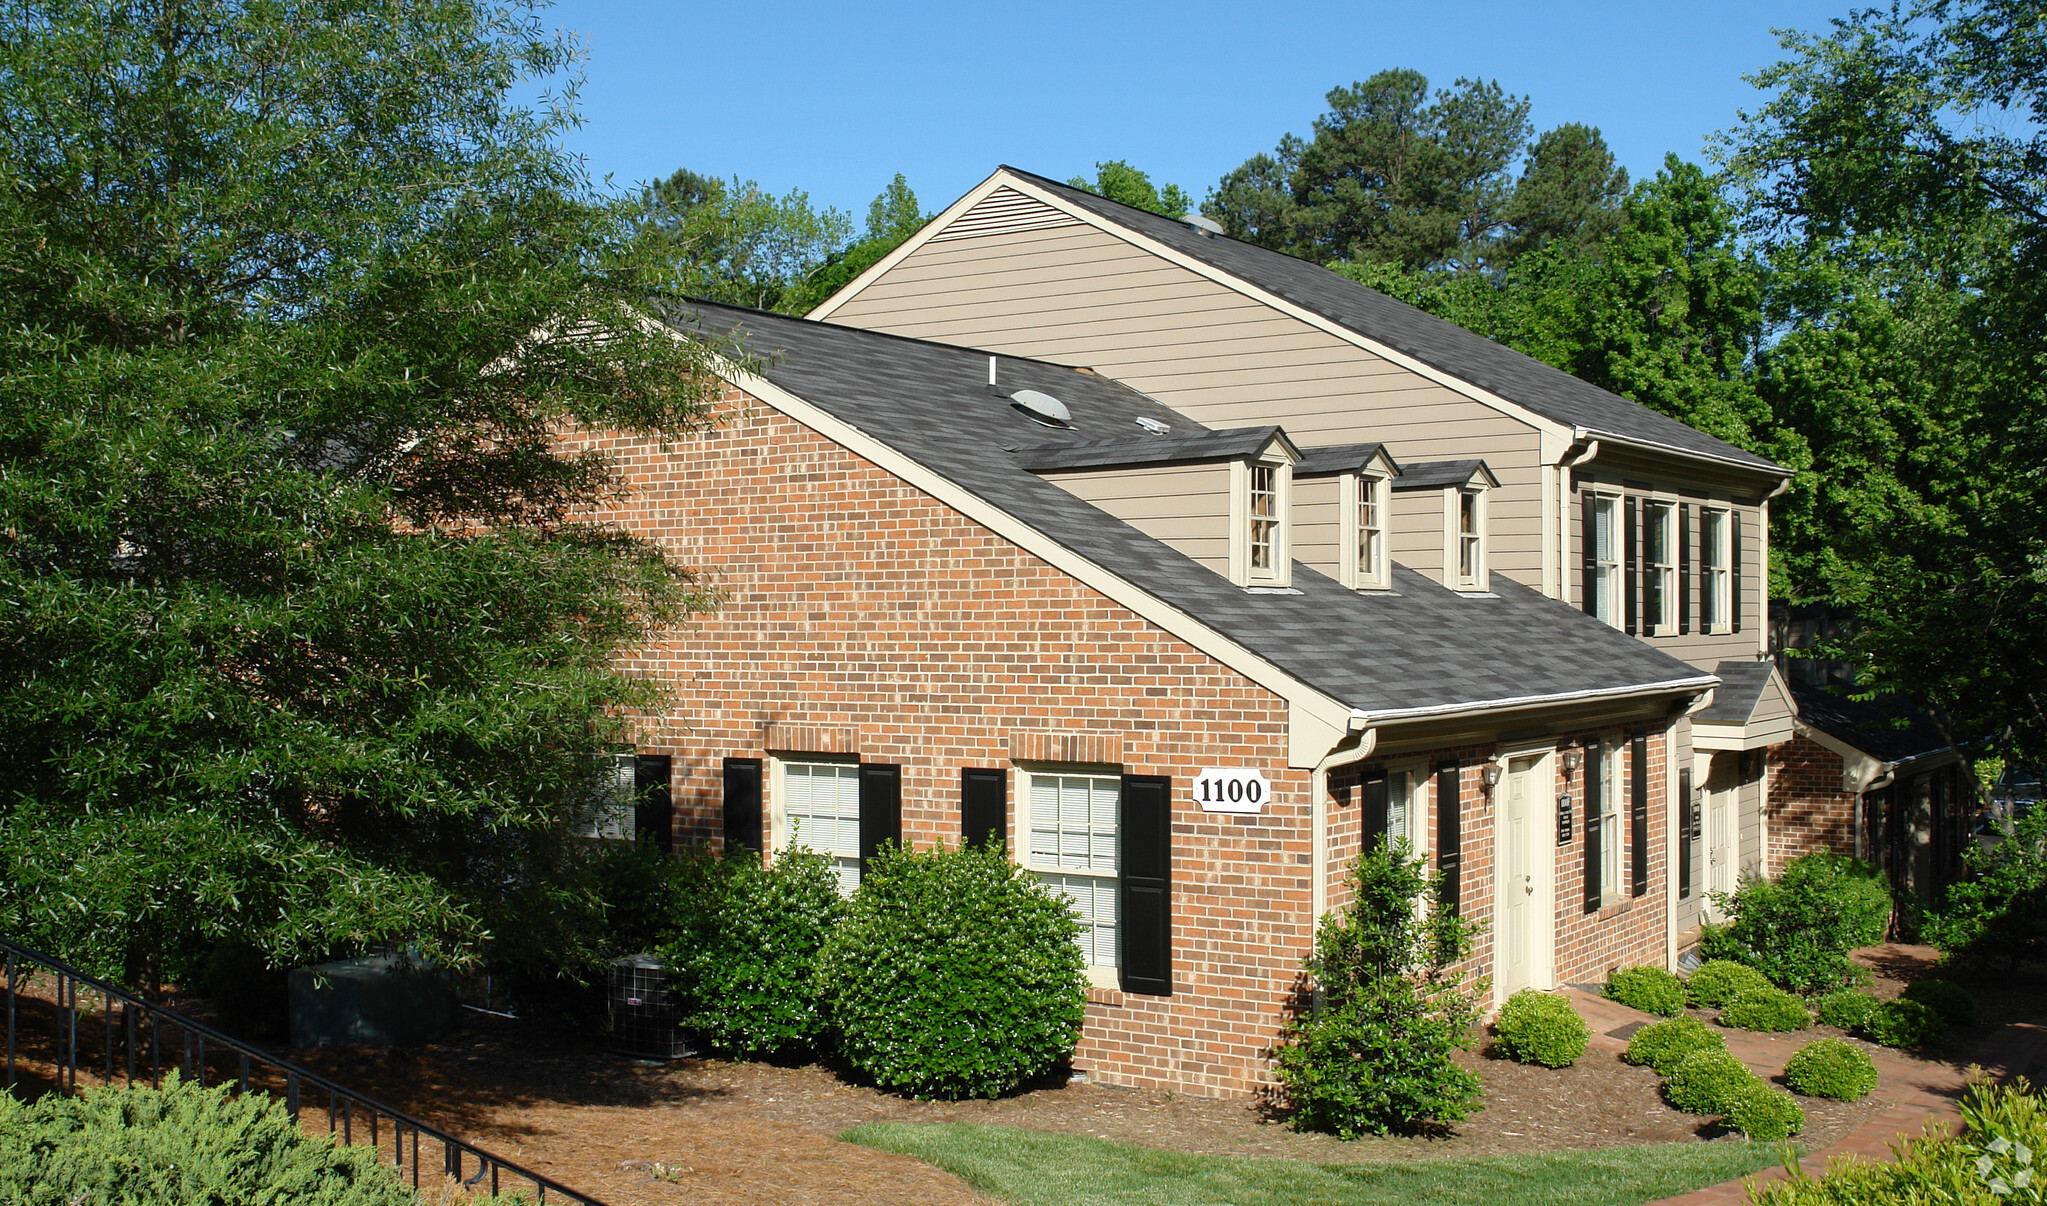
1203 225
1044 408
1153 426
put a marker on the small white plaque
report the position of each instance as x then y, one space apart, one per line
1220 789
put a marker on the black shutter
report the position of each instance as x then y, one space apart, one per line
984 807
1374 818
1145 837
881 808
1631 575
1449 833
1684 833
743 804
1684 568
1734 568
1638 813
1588 545
653 816
1593 805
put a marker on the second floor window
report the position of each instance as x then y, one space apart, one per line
1371 567
1659 585
1470 546
1715 586
1606 559
1264 517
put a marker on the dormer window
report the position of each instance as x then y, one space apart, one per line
1264 518
1471 539
1441 515
1261 502
1366 501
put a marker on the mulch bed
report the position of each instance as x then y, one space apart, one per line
716 1131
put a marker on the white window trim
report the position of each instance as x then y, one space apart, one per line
608 814
1420 785
1281 573
1104 976
1610 601
1718 574
1354 574
1612 782
1453 539
778 796
1666 571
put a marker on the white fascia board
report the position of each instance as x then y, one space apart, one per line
906 248
1363 718
1311 711
1709 736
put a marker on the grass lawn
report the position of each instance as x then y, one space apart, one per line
1040 1168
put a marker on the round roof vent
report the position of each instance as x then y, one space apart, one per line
1204 225
1044 408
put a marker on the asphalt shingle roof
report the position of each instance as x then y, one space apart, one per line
1340 458
1492 366
1187 446
1889 729
1740 690
1415 646
1426 475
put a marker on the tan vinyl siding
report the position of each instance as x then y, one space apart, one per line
1081 296
1417 535
1186 507
1772 709
1318 524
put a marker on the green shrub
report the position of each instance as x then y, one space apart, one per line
175 1145
1831 1068
1768 1009
1946 998
1903 1023
1665 1045
1707 1082
1377 1056
745 950
1846 1008
1798 929
1764 1114
1719 981
1538 1028
2002 1130
1649 989
952 975
1998 910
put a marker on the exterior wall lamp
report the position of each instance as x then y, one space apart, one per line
1573 760
1490 774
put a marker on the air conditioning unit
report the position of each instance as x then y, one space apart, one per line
644 1021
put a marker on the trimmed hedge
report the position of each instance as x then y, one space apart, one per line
1831 1068
953 975
1649 989
1718 981
1946 998
1665 1045
1765 1114
177 1145
1538 1028
1767 1009
1903 1023
1708 1082
1847 1008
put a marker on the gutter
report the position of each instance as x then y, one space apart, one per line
1593 439
1363 718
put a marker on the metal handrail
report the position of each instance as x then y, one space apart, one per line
343 1102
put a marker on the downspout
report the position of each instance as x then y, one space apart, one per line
1318 817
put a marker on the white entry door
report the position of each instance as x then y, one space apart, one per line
1721 853
1525 862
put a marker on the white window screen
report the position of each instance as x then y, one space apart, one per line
1662 532
821 805
1371 542
1713 600
1073 850
1605 557
1264 516
1609 824
1405 816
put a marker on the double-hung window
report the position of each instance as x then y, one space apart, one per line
821 812
1264 519
1609 821
1470 543
1659 587
1371 551
1605 538
1074 816
1714 580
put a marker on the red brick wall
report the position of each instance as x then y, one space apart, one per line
1807 808
1627 931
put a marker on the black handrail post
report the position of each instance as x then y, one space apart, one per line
242 1066
107 1018
10 1019
128 1020
348 1120
68 991
202 1061
291 1094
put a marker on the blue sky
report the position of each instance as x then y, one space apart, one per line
837 98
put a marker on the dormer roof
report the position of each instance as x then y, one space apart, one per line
1183 447
1346 458
1439 475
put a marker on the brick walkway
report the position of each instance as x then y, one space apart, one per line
1917 1091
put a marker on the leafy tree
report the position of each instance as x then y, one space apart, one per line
302 641
737 243
1118 181
891 217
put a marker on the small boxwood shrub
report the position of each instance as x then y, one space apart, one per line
1665 1045
1831 1068
1649 989
745 952
1903 1023
1719 981
1769 1009
1707 1082
179 1144
1765 1114
952 975
1847 1008
1946 998
1538 1028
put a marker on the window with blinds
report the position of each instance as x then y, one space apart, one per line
1073 851
821 811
